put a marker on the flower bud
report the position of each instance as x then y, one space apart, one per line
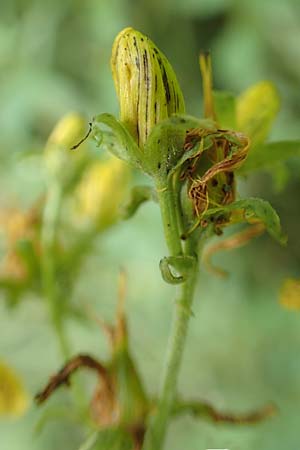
145 82
290 294
257 108
67 132
102 190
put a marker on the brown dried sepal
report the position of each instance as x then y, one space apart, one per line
216 186
63 376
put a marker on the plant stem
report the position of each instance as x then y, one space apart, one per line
167 203
157 429
48 238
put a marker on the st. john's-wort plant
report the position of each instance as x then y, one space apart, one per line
194 165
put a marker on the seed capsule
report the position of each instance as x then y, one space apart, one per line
145 82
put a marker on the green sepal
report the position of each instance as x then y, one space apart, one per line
116 139
165 145
267 155
181 264
252 210
138 196
225 109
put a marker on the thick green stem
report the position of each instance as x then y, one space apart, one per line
48 238
157 429
167 202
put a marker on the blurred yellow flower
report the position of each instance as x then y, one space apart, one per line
13 398
257 108
290 294
102 190
68 131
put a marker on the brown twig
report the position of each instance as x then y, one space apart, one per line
63 376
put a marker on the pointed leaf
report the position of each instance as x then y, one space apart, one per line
270 154
138 196
253 210
225 108
116 139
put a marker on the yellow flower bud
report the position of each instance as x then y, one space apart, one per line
66 133
290 294
102 190
145 82
256 110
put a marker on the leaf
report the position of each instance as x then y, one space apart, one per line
117 139
257 108
225 108
267 155
138 196
164 146
13 398
253 210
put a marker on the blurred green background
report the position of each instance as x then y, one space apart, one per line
243 348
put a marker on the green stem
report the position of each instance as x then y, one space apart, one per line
48 238
167 202
157 429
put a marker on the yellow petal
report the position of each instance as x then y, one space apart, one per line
13 398
290 294
257 108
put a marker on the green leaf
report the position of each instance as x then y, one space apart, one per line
164 146
116 139
253 209
267 155
138 196
225 108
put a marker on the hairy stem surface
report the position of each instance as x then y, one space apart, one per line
182 311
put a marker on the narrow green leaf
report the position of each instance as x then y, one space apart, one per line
225 108
138 196
254 209
267 155
116 139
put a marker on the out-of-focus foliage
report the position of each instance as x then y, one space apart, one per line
243 347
